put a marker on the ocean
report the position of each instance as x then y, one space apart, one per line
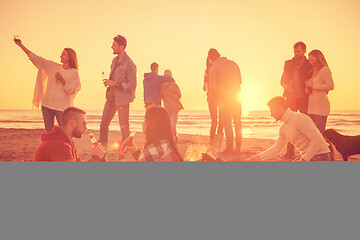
256 124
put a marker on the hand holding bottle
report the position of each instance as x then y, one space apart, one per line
128 144
17 40
105 80
97 149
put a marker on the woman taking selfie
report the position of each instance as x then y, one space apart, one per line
61 80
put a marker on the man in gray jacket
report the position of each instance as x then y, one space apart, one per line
120 91
225 76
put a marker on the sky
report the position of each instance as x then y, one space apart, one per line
258 35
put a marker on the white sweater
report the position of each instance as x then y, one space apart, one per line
319 103
57 96
301 131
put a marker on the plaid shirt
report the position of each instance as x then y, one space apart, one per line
159 151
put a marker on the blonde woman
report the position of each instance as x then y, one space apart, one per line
170 93
62 83
319 86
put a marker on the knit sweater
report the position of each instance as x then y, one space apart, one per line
301 131
319 103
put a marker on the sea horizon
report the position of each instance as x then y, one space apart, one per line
255 123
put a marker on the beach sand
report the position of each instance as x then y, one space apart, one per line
21 145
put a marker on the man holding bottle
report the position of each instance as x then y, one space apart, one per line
120 91
58 145
296 72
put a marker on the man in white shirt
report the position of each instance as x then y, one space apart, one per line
298 129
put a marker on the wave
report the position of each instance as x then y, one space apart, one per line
255 124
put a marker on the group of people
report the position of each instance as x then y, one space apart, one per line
57 85
157 88
306 83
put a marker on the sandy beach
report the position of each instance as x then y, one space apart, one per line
21 145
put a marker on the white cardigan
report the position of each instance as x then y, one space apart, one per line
56 96
319 103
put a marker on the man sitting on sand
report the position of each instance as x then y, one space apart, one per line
58 145
300 130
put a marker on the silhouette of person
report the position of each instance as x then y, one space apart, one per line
216 127
226 77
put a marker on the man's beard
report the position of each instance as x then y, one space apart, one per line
77 133
299 58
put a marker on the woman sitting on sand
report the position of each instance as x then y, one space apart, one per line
160 144
62 84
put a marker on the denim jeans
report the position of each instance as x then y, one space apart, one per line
109 111
320 122
48 116
213 109
231 112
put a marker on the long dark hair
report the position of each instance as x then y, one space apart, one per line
158 128
321 61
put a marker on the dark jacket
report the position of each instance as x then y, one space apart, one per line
125 75
304 73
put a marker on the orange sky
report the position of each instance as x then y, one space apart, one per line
258 35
